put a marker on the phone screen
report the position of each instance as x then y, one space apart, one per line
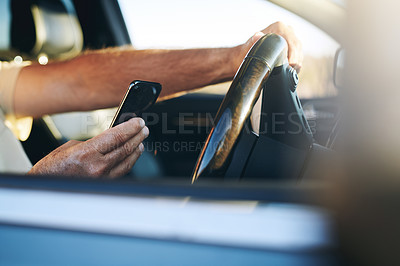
139 96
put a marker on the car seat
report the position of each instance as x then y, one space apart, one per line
38 30
35 28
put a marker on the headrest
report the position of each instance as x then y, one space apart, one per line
42 28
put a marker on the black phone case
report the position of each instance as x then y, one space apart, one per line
139 97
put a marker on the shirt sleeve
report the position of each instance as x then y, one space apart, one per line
9 72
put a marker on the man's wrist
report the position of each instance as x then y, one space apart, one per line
238 54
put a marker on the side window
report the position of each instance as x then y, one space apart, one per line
224 23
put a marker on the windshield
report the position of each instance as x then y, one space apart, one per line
224 23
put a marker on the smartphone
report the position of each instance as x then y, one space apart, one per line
139 97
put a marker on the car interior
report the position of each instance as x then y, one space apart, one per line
216 184
62 29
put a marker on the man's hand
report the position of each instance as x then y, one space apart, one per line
295 51
110 154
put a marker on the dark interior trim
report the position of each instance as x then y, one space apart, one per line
102 23
283 192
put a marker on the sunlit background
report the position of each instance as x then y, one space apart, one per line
224 23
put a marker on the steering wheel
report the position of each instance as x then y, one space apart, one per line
269 52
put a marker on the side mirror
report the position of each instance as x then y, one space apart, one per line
338 68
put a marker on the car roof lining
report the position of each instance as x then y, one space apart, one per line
330 16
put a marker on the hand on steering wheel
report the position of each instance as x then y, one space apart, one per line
268 52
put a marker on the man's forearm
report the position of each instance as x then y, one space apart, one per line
98 79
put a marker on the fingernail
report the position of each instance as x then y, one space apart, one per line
141 122
145 131
141 147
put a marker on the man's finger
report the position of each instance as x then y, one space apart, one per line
296 64
295 56
115 137
256 37
124 151
126 165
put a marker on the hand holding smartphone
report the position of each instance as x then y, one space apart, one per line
139 97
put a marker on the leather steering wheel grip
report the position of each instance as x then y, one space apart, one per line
268 52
